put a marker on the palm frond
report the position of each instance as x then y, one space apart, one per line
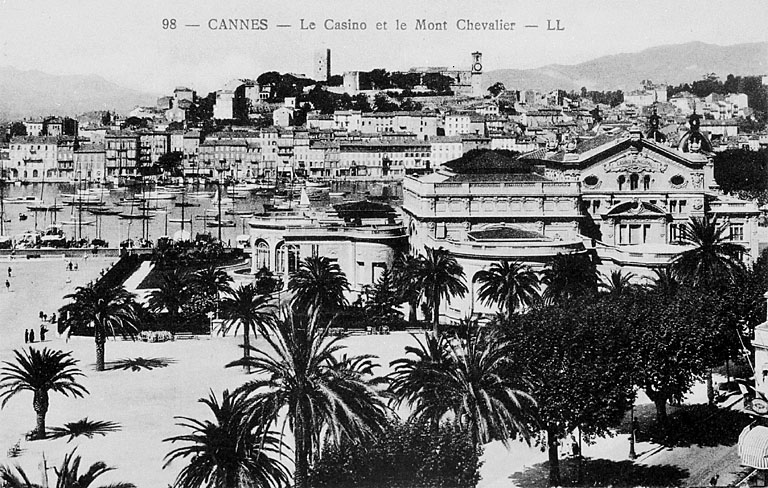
84 427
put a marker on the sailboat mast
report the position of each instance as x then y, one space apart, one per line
2 198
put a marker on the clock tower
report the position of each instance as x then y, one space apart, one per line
476 75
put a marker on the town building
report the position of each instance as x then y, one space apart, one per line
90 162
382 158
34 127
363 238
33 158
122 154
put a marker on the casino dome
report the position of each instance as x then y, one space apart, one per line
694 140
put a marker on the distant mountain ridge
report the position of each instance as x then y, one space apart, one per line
671 64
34 93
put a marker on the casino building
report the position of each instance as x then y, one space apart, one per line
622 198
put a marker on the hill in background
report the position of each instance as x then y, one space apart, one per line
673 64
34 93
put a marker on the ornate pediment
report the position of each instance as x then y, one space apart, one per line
635 208
637 162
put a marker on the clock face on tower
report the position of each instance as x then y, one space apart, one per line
477 67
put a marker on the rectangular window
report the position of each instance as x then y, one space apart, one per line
440 231
681 206
635 234
315 250
376 270
672 206
737 232
623 238
674 233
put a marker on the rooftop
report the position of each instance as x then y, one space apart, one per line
483 161
503 233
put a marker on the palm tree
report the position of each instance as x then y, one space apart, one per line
713 259
231 451
19 479
510 284
407 279
108 309
568 276
68 475
173 293
618 283
473 383
211 282
319 283
318 392
248 308
442 277
40 372
665 283
416 380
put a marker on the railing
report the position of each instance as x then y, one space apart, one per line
512 247
552 188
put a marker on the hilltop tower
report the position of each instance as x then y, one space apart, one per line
322 66
477 75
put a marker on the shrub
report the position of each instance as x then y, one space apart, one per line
406 455
155 336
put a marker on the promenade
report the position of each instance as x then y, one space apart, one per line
145 401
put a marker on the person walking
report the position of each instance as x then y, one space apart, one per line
7 285
9 271
43 330
26 336
31 335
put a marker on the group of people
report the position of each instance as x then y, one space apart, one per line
29 334
44 317
71 266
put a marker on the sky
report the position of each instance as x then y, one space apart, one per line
125 41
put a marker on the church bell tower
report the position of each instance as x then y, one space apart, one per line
476 76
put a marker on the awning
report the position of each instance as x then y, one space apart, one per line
753 446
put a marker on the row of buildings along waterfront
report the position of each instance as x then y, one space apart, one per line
622 198
345 144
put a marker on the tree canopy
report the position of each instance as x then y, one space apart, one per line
576 353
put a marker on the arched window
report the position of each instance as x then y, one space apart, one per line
280 258
633 181
621 181
262 255
646 182
34 173
294 257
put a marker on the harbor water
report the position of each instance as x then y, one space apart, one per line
164 216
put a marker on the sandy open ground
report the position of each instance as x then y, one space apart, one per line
144 402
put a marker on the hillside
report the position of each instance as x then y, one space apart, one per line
671 64
33 93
